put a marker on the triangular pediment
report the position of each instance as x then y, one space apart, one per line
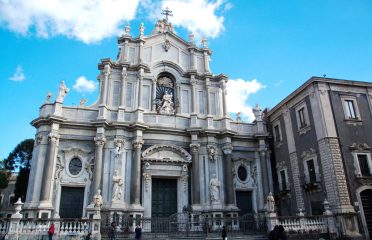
166 153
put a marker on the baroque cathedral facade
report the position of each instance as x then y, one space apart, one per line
157 141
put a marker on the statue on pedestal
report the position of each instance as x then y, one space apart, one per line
117 188
214 189
63 90
270 203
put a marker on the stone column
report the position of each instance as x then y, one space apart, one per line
97 177
139 96
207 86
193 92
123 86
48 168
153 97
264 172
195 173
228 178
106 73
206 61
224 92
192 59
136 173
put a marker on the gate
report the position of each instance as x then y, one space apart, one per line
185 225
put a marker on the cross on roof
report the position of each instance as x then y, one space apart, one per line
167 13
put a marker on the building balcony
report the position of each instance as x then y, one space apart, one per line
310 181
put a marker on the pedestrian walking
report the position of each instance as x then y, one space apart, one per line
51 231
224 233
138 232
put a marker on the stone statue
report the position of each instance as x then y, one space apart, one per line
142 29
49 95
83 101
238 117
117 188
98 200
270 203
167 104
63 90
214 189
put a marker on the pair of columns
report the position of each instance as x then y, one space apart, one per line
228 177
136 169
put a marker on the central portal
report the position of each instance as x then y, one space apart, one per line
164 197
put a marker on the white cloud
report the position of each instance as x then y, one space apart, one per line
83 85
277 84
86 20
18 76
199 16
90 21
238 92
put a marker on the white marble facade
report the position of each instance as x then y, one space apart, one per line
161 113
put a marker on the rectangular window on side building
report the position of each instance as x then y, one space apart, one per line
283 180
301 116
277 136
311 169
350 110
363 165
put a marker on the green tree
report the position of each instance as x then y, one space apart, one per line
20 157
19 160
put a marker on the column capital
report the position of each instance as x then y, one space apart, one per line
53 137
138 143
195 147
154 80
107 70
100 141
227 150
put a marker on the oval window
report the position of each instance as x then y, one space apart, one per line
75 166
242 173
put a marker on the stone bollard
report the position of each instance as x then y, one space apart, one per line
96 224
331 223
15 221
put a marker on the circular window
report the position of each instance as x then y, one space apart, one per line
75 166
242 173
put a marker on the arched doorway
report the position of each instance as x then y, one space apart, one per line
366 199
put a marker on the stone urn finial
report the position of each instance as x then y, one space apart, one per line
18 208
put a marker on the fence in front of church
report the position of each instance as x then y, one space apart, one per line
186 224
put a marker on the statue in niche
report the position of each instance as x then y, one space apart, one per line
167 106
214 189
117 188
165 96
270 203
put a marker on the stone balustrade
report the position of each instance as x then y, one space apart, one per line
304 224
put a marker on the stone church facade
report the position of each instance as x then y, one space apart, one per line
157 141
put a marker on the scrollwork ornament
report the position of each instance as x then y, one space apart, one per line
212 151
119 144
147 179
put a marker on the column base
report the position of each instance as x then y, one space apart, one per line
194 120
102 112
139 115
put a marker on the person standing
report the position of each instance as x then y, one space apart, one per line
112 231
138 232
224 233
51 231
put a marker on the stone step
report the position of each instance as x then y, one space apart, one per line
245 237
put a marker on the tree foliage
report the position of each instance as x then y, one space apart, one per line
20 157
19 160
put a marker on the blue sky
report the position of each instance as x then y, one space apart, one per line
268 48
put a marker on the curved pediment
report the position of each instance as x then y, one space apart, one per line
166 153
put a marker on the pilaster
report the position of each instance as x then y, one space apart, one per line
121 110
195 147
228 176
